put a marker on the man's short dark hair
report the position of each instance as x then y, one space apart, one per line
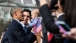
27 10
13 10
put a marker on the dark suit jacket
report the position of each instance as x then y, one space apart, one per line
48 21
61 18
44 31
57 37
15 34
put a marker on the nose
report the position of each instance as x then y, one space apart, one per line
25 18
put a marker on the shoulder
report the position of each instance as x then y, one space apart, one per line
61 18
14 24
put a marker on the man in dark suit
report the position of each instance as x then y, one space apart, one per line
15 32
27 18
57 38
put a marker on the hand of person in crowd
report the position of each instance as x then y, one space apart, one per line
42 2
29 20
71 34
35 41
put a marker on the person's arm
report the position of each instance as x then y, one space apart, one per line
33 22
48 18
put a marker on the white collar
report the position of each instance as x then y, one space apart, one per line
22 24
17 20
60 15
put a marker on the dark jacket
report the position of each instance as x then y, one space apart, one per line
57 37
48 21
44 31
15 34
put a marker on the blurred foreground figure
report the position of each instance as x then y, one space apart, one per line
15 32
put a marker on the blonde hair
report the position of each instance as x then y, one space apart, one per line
37 12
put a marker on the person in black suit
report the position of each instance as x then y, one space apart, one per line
57 38
70 18
59 17
48 20
15 32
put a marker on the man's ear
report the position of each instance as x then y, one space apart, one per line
15 13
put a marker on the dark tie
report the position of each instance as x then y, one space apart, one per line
25 28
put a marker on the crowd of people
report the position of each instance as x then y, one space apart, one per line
38 25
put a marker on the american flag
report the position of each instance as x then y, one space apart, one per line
37 27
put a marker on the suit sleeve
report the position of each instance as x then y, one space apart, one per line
48 19
21 35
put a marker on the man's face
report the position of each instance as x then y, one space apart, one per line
19 14
26 16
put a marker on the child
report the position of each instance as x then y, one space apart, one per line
36 23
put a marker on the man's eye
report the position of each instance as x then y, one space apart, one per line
28 16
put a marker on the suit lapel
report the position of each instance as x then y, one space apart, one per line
61 18
17 23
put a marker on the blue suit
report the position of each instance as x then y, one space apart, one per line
16 34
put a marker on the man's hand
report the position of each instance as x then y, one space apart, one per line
42 2
29 20
35 41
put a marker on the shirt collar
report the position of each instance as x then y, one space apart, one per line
17 20
60 15
22 24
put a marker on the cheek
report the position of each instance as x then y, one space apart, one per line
24 17
33 16
28 18
21 16
25 20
